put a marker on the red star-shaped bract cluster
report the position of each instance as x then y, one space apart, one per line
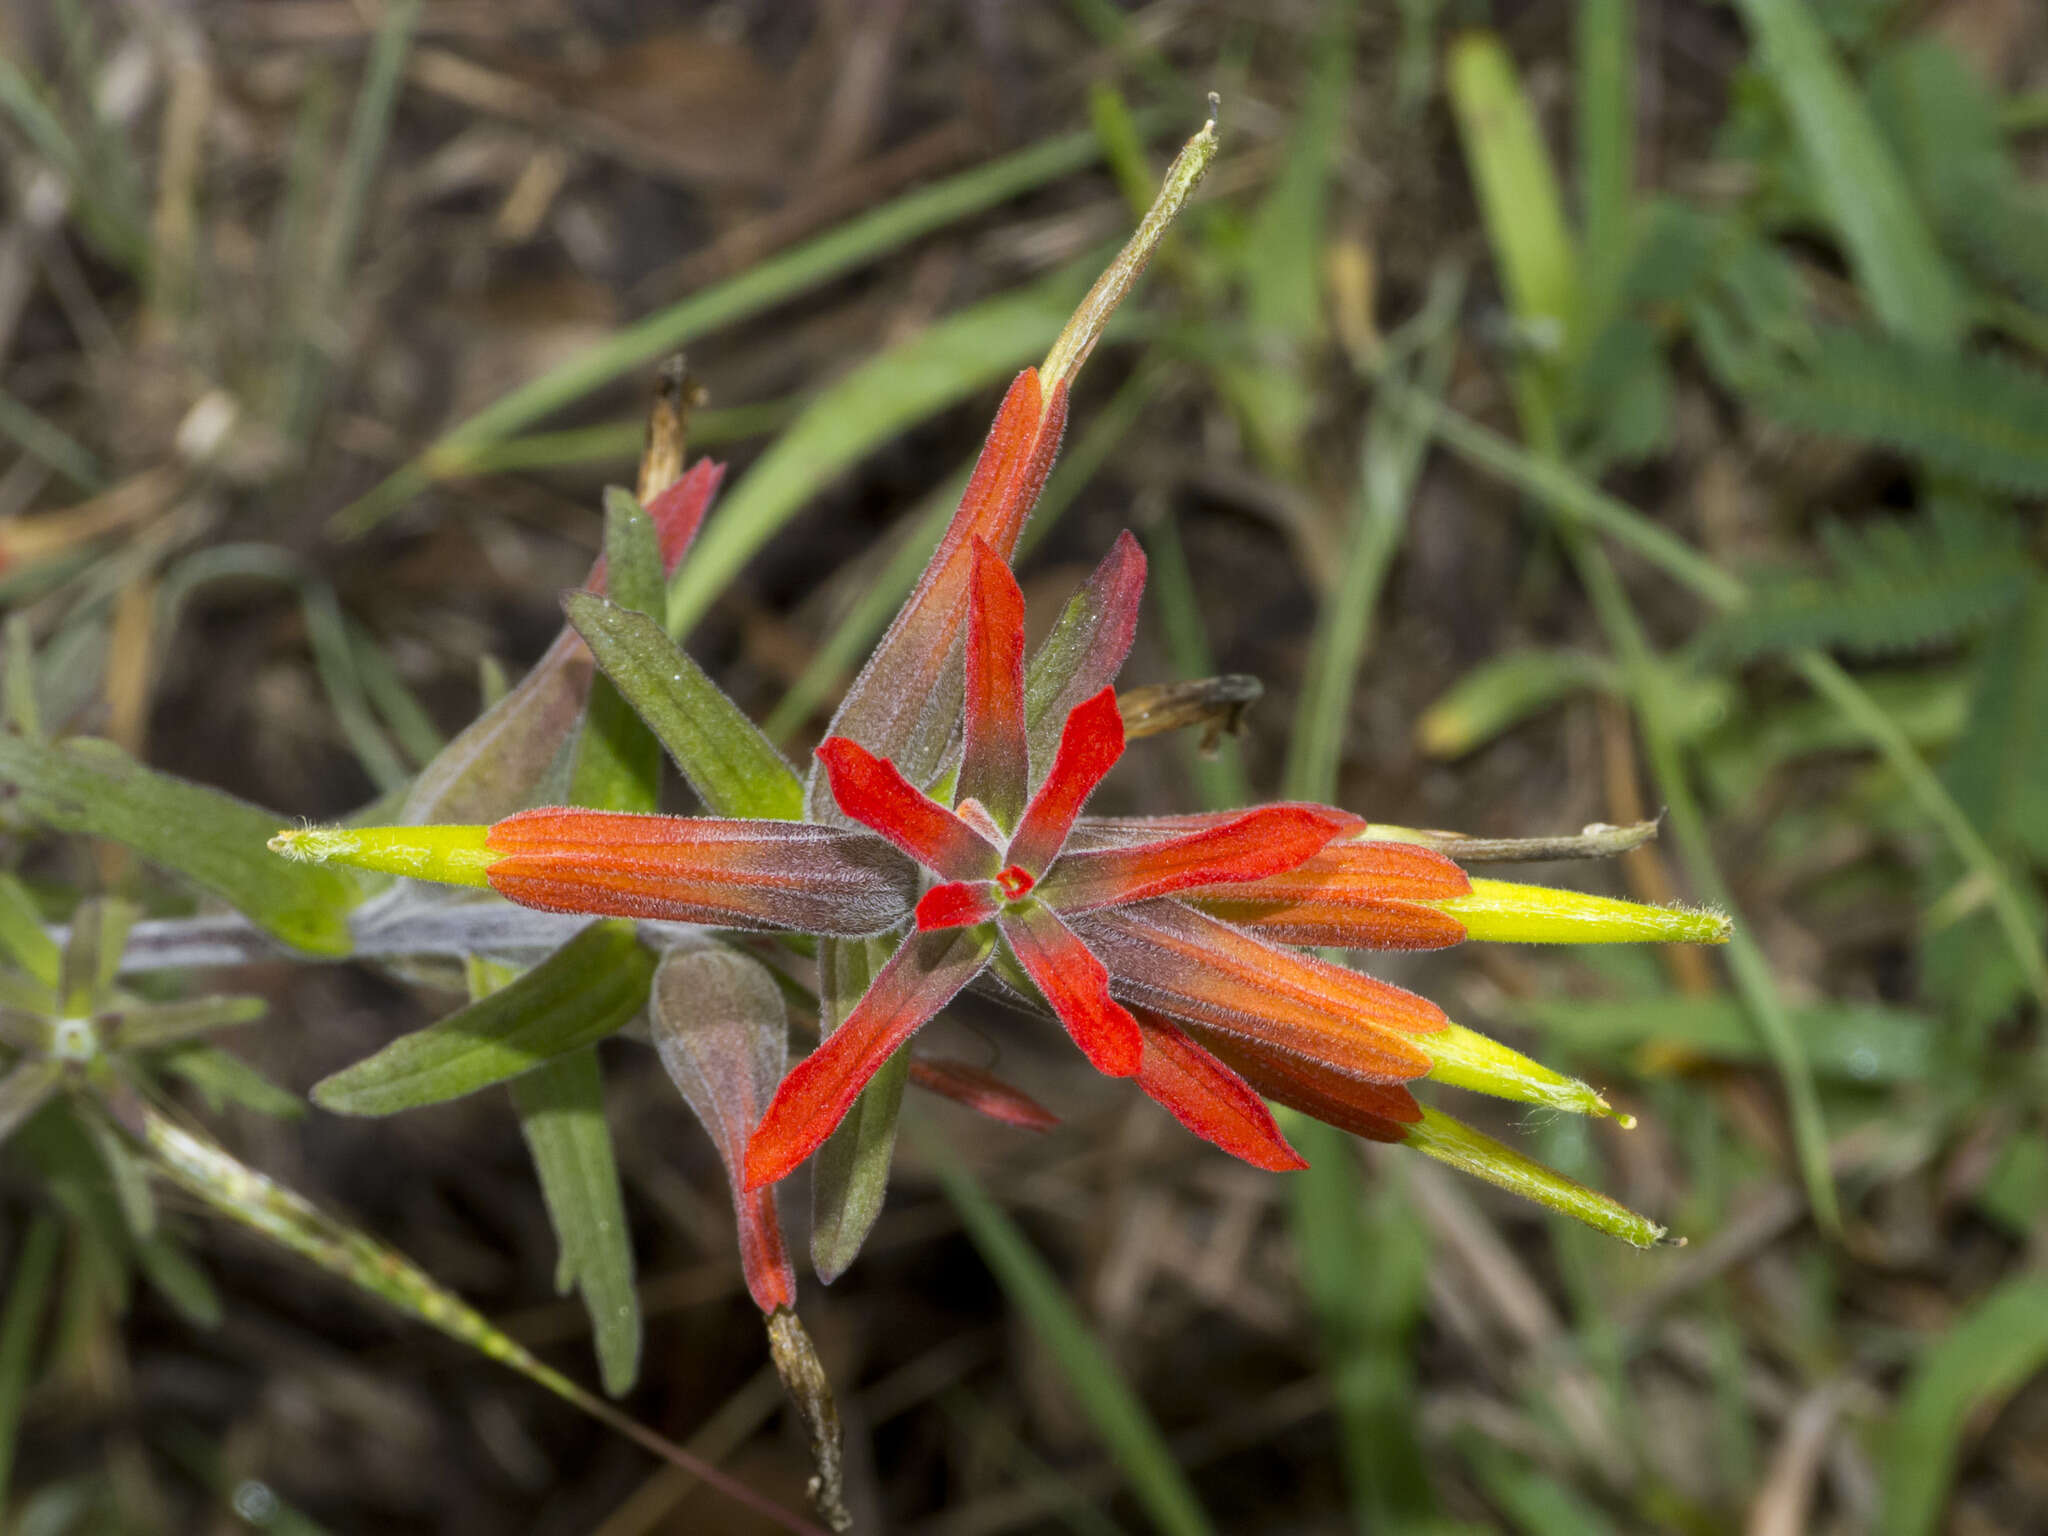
1084 927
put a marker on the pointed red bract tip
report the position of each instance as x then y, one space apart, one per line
956 904
983 1092
925 973
678 511
993 769
1209 1099
1090 744
874 793
1076 984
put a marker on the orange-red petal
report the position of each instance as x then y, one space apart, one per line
924 974
1076 984
1208 1098
1090 743
957 904
874 793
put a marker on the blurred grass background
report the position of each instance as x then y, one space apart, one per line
1571 409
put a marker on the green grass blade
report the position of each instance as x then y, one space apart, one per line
241 1194
735 769
49 444
1284 246
1570 495
940 366
1363 1265
589 988
1220 779
213 840
852 245
621 442
561 1113
1524 215
23 938
1120 1419
1889 245
368 129
1390 466
28 1289
2000 1344
1604 103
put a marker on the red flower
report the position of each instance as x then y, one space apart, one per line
1007 883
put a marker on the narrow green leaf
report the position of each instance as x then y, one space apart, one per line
21 1328
1518 192
212 839
1858 1042
1390 466
1083 1360
1993 1350
850 1172
632 554
124 1175
27 1087
1888 243
20 701
1364 1267
22 935
223 1079
617 761
92 955
1604 36
1284 246
1535 1503
589 988
768 283
942 364
177 1277
1502 692
149 1026
735 769
561 1112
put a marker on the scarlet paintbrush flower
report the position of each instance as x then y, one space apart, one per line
1006 881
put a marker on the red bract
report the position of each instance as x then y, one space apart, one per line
1005 879
906 702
